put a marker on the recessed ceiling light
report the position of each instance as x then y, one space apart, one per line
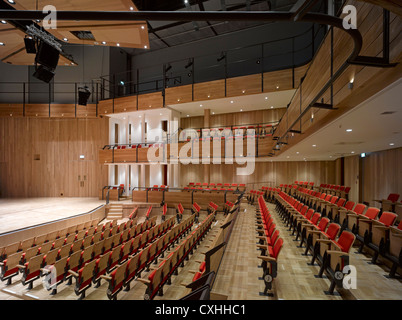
3 21
241 110
2 44
188 115
145 47
131 8
160 114
277 87
287 157
139 116
314 145
352 152
266 98
200 105
65 39
11 1
103 42
392 144
297 152
213 112
142 27
272 107
231 101
349 130
244 91
118 44
209 96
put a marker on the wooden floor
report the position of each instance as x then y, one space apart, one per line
21 213
238 277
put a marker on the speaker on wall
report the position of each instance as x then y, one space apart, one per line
30 45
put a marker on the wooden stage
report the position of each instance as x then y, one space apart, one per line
16 213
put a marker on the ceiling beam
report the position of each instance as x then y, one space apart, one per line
202 8
156 35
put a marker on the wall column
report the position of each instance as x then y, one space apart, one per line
207 168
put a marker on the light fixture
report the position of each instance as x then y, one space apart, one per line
188 115
200 105
142 27
213 112
314 145
82 156
277 87
103 42
2 44
352 152
392 144
266 98
231 101
131 8
209 96
272 107
11 1
121 82
350 85
65 39
241 110
3 21
244 91
118 44
363 155
349 130
145 47
83 95
297 152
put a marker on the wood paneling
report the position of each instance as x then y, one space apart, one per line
105 107
40 157
352 177
125 104
265 173
382 175
180 94
244 85
209 90
62 111
11 110
150 101
367 80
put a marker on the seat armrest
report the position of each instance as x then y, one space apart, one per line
73 273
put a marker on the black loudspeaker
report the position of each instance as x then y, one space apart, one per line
83 96
44 74
30 45
47 56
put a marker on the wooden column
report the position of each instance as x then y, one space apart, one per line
207 169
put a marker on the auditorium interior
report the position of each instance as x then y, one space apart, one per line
200 150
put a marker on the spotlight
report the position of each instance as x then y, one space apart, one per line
30 45
83 95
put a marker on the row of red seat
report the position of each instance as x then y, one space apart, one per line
270 244
319 235
170 265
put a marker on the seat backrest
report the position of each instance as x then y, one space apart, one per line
393 197
315 218
359 208
341 202
372 213
388 218
333 200
277 247
349 205
333 230
346 240
309 213
323 224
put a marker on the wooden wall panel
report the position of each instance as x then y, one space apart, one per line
125 104
265 173
382 175
249 84
178 95
62 111
209 90
11 110
37 110
105 107
89 111
352 177
150 101
40 157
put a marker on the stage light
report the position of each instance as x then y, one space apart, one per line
47 56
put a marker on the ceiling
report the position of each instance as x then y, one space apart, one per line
128 34
164 34
372 130
261 101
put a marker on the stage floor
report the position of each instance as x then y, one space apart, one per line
17 213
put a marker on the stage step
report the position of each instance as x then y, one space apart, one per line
115 211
